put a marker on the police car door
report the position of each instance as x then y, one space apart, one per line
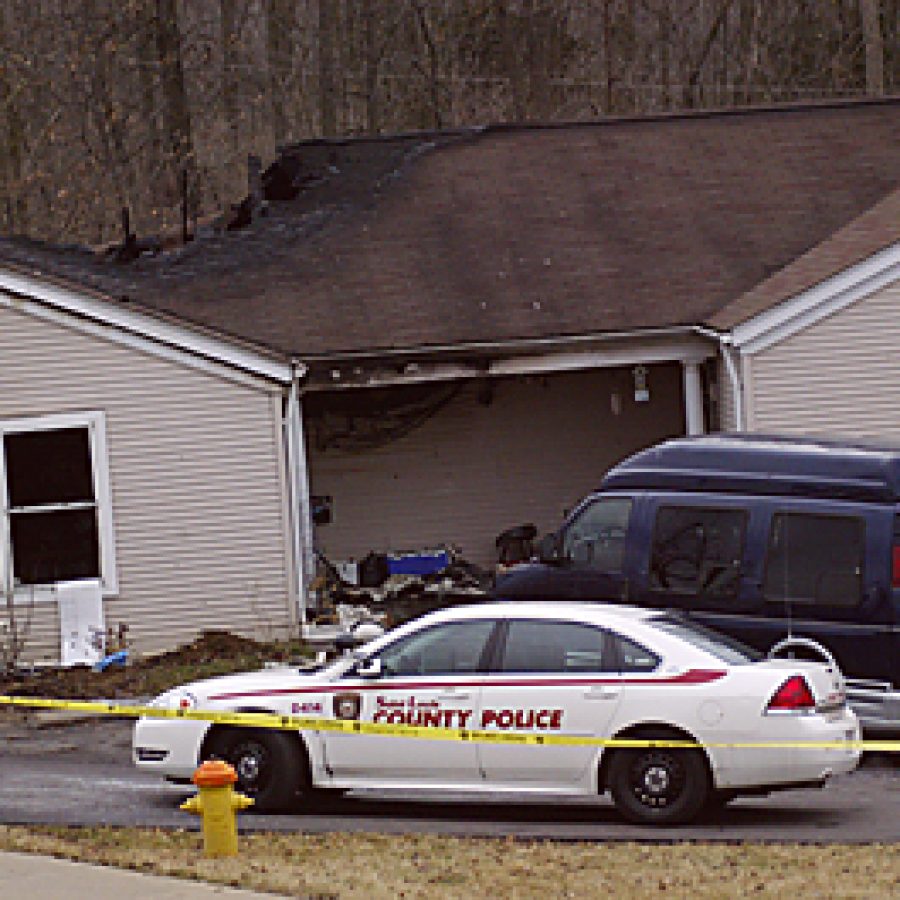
430 678
552 678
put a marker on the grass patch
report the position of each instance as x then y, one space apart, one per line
383 866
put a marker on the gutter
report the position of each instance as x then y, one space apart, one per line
728 348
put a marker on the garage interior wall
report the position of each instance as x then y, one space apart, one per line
839 377
196 477
516 450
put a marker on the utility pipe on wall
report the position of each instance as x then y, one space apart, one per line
298 480
737 389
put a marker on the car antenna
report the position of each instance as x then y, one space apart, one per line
789 606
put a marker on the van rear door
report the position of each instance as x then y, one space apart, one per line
827 575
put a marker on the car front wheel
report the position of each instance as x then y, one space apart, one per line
268 766
659 786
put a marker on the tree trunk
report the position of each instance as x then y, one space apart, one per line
372 62
664 25
12 142
230 82
690 88
871 26
280 20
176 115
327 105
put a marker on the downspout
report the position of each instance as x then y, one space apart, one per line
726 345
298 481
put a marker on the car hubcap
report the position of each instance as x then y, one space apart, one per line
249 761
657 780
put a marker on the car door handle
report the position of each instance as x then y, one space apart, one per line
454 695
601 693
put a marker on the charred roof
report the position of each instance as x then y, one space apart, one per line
511 233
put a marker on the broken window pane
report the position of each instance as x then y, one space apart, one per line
49 467
55 546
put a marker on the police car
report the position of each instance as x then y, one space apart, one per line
546 670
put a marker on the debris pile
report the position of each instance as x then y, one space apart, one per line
398 597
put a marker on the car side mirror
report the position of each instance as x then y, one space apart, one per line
369 668
550 548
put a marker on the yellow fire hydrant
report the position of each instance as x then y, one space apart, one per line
217 804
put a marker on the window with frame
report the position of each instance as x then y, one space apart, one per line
596 537
545 645
698 551
453 648
633 657
57 517
815 559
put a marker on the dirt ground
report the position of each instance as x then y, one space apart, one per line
213 653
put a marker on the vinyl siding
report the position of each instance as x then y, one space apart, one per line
840 377
196 476
474 470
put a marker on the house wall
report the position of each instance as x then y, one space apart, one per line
196 476
474 470
839 377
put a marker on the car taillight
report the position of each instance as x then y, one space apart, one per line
793 696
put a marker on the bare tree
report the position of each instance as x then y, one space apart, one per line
12 137
177 116
15 628
871 28
230 42
280 22
326 37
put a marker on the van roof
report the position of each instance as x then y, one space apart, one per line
764 464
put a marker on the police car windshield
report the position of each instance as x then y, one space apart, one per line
719 645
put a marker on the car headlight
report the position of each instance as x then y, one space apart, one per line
175 699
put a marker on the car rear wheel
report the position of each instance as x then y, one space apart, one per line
268 764
659 786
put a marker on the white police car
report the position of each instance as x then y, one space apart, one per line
585 670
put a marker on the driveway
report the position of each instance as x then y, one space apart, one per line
80 774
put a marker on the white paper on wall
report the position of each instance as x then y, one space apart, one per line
81 629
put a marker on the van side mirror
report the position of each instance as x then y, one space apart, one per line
550 548
369 668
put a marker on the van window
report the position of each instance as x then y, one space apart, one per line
815 559
698 550
596 536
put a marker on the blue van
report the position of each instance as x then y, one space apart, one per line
788 545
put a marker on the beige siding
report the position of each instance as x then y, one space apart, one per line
196 479
474 470
839 377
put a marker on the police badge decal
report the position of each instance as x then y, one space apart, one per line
347 706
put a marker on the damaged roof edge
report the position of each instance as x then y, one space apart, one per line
546 356
521 346
163 333
492 128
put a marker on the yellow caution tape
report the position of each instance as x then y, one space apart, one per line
518 738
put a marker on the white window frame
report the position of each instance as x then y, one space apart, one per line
95 422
